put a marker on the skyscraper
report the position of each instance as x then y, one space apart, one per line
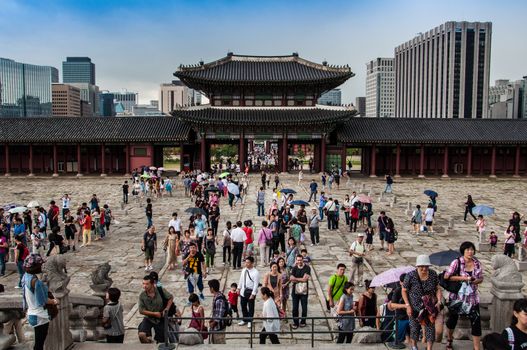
444 73
78 70
175 95
106 104
126 99
360 105
66 100
508 99
380 88
332 97
25 89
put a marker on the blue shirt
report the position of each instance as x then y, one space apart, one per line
322 201
313 186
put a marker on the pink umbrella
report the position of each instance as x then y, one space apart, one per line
364 199
390 276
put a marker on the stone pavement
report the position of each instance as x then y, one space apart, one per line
122 247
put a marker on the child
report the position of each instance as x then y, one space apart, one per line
369 238
276 256
307 258
112 319
35 240
493 240
233 299
209 248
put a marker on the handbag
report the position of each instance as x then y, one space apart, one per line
247 292
301 288
448 285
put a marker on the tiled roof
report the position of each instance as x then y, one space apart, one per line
245 70
93 129
418 130
274 117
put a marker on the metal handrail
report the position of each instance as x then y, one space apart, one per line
393 332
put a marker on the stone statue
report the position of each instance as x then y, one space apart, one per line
55 274
505 270
100 279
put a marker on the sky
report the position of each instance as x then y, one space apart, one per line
138 44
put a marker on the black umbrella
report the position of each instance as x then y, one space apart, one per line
212 189
300 202
195 211
287 191
444 258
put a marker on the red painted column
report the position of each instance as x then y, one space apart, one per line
323 154
493 162
55 162
103 160
373 164
7 167
517 162
398 161
31 161
241 152
203 152
284 154
445 163
79 160
422 162
469 161
127 170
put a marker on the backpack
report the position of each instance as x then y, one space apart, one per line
108 216
227 315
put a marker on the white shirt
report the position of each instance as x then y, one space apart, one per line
270 310
249 279
66 202
330 206
353 200
176 224
238 235
429 214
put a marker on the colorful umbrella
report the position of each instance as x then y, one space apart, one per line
233 188
152 168
146 176
33 204
482 210
225 174
444 258
390 276
161 168
431 193
17 210
364 198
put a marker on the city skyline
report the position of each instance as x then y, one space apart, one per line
136 46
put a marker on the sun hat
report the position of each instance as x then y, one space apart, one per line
32 260
360 234
423 260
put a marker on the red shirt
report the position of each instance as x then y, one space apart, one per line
248 234
87 222
354 212
233 298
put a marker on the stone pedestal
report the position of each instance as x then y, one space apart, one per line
521 265
483 247
408 210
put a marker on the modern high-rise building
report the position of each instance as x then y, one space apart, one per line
508 99
127 100
148 110
380 88
177 95
444 73
66 100
332 97
106 104
90 95
25 89
78 70
360 105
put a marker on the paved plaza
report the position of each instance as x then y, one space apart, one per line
122 246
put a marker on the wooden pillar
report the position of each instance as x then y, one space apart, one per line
241 152
103 160
79 160
127 170
469 161
323 154
7 167
373 161
181 157
55 162
422 162
398 161
31 161
517 162
445 163
203 152
343 158
285 162
493 162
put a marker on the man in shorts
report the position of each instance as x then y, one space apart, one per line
382 221
151 306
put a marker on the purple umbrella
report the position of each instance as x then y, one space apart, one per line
390 276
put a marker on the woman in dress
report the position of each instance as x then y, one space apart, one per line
345 310
273 281
291 253
198 314
171 244
284 276
368 305
419 286
185 242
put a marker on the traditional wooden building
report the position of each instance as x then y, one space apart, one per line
271 98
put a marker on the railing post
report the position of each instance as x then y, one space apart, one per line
166 345
312 332
251 342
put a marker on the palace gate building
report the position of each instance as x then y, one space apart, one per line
272 99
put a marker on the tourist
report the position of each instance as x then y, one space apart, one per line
19 229
313 186
112 317
249 239
276 181
220 307
296 231
195 270
53 214
466 269
323 179
175 222
515 223
125 191
267 179
86 223
56 242
331 179
238 238
36 300
300 177
516 334
347 207
421 292
285 218
262 178
509 242
260 201
152 307
314 229
21 252
70 230
391 236
330 208
94 202
209 247
389 182
345 310
382 221
368 243
227 243
170 245
66 201
336 286
148 213
300 275
493 241
248 288
149 247
368 306
417 219
271 322
265 241
301 217
398 305
429 218
306 257
214 216
469 205
199 225
184 243
198 316
322 200
481 226
354 216
357 252
4 249
233 298
291 252
337 214
273 281
284 276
